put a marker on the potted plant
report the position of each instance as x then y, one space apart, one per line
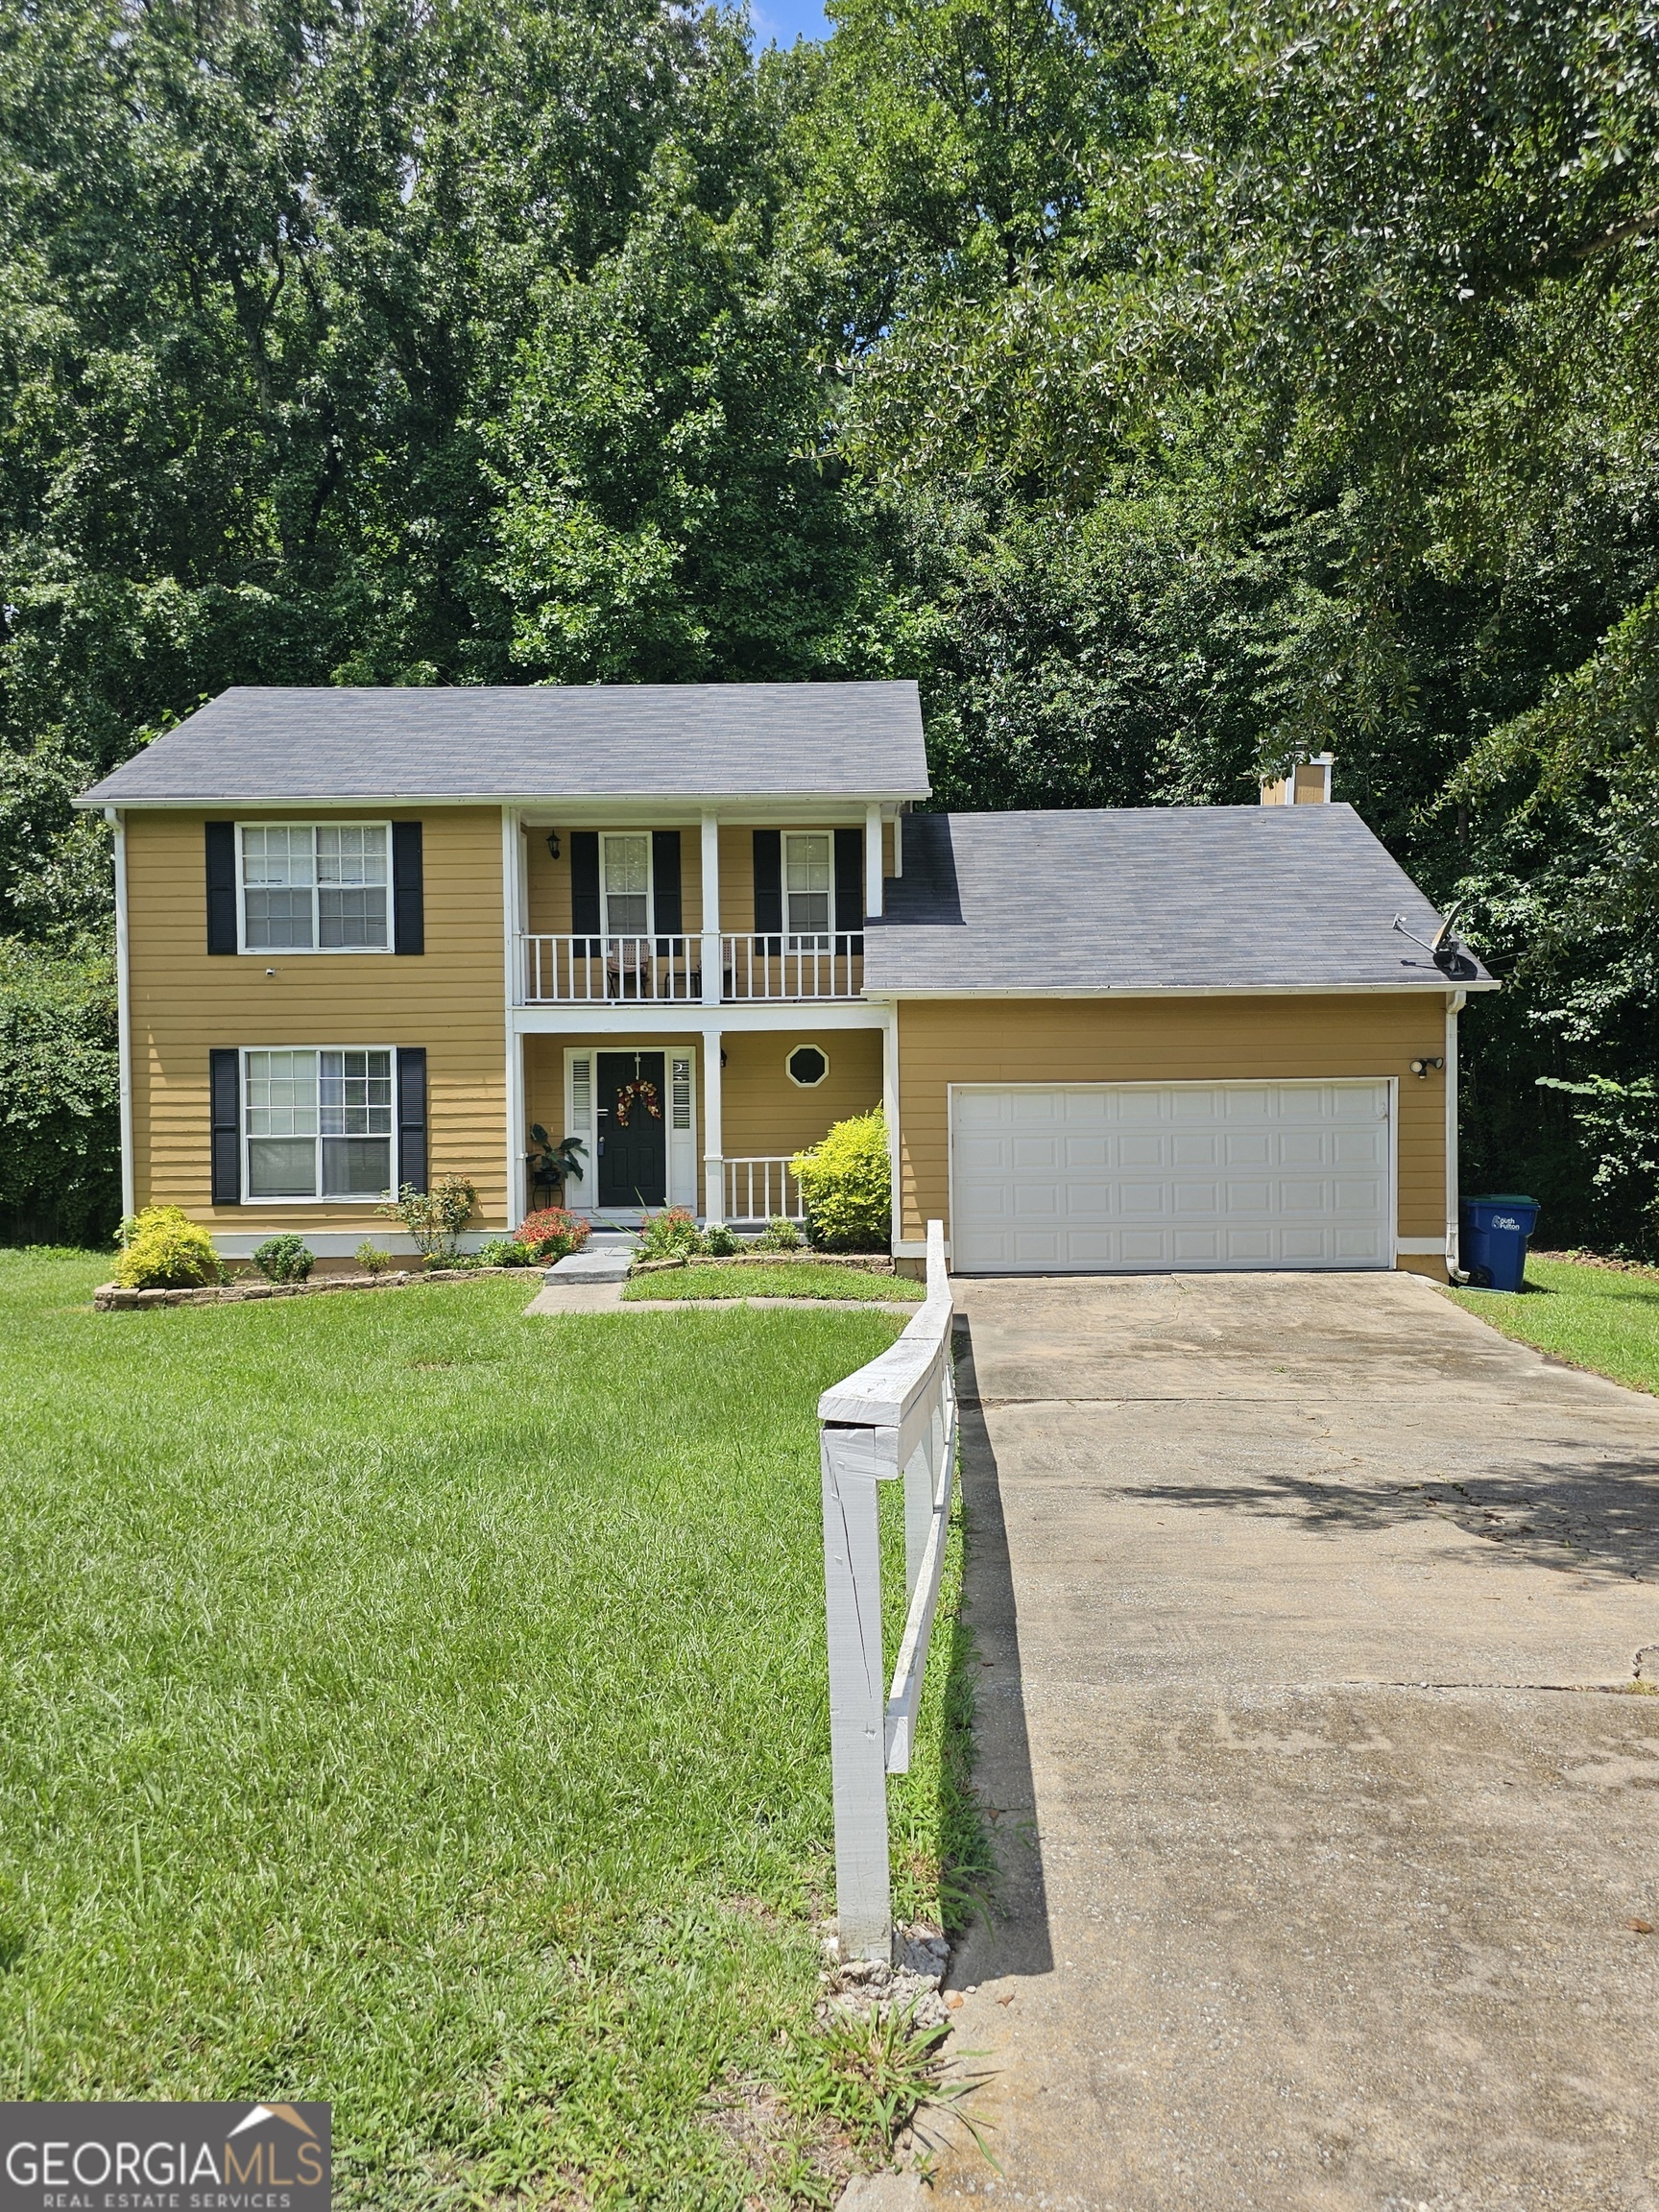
552 1165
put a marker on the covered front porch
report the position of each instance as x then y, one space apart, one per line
705 1117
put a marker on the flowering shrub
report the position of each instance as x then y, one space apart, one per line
166 1251
672 1235
550 1233
846 1182
435 1219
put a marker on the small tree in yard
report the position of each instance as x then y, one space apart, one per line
847 1184
435 1219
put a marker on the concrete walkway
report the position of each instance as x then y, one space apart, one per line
1320 1858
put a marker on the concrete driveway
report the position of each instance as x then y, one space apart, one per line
1307 1612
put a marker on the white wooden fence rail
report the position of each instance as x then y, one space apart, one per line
567 971
896 1416
763 1190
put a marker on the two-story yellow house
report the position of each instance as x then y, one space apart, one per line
368 937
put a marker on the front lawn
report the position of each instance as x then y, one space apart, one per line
788 1278
1604 1318
410 1704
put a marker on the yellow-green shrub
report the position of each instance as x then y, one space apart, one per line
847 1184
166 1251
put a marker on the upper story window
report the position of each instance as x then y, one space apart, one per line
626 874
315 886
808 887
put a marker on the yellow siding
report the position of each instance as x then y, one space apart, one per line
1171 1040
1309 784
764 1114
184 1002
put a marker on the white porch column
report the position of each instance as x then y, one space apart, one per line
713 1161
711 911
511 924
890 1115
873 859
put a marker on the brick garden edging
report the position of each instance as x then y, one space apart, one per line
111 1298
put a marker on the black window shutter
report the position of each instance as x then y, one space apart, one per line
225 1110
665 881
408 889
221 886
768 881
412 1115
850 882
585 883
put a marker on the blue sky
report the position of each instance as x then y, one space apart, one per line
786 20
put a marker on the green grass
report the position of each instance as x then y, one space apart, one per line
1598 1317
413 1705
751 1279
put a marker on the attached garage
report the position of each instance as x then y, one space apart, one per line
1049 1178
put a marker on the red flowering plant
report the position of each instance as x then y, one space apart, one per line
550 1231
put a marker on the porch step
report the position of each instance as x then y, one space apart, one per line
590 1266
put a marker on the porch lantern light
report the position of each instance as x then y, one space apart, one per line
552 844
806 1066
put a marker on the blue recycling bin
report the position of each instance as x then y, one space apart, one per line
1493 1243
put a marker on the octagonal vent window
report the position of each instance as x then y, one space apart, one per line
808 1066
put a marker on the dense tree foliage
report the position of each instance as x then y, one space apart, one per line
1169 390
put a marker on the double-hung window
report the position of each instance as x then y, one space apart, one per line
317 1124
627 886
808 889
315 886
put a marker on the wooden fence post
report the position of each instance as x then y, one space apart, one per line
858 1692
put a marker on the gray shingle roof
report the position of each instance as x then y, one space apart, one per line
534 741
1149 899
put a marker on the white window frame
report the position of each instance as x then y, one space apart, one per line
809 940
315 948
244 1137
606 930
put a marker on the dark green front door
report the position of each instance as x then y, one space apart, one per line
633 1138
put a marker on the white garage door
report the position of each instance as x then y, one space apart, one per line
1147 1176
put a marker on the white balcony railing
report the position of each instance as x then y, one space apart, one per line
600 970
785 967
565 971
762 1190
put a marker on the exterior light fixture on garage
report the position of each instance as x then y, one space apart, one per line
806 1066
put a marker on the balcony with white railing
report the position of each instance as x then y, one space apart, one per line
762 1190
605 970
775 967
830 965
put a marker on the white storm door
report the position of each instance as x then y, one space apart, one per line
1144 1177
